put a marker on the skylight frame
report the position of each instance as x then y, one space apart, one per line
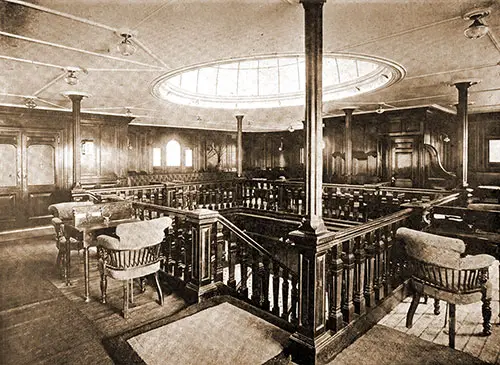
385 74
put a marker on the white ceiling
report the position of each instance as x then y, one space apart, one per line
39 38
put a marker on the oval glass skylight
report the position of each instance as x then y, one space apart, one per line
272 81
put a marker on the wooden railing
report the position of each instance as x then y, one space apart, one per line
211 255
358 203
341 201
155 194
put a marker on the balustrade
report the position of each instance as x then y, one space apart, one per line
204 250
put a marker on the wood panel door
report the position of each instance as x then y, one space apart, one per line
41 171
405 161
30 169
11 190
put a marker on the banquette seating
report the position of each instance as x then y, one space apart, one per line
135 253
439 271
63 213
138 179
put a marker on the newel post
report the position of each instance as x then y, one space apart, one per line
315 276
203 225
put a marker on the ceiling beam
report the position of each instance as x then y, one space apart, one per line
397 34
64 15
56 45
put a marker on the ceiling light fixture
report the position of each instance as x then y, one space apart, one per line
71 78
477 29
128 112
291 129
380 109
125 47
30 103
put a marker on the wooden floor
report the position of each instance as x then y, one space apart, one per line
42 321
429 327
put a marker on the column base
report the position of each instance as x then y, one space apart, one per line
305 350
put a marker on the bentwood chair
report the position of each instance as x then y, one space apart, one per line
63 213
438 270
134 254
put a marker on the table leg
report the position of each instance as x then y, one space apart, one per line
67 261
86 271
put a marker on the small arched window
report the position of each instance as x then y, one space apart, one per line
173 153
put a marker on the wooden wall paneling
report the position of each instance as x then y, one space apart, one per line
10 179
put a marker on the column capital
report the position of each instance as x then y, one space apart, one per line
75 95
312 2
348 110
465 84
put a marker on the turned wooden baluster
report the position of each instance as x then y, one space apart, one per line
388 270
276 288
334 282
232 259
348 261
295 300
256 278
284 294
370 270
219 254
187 250
359 276
244 272
266 273
378 283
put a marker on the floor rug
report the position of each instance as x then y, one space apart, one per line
386 346
223 334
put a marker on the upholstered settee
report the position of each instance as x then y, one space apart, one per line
137 179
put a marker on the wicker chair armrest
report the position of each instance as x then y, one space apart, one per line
125 259
108 242
476 262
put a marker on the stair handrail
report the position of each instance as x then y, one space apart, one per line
251 242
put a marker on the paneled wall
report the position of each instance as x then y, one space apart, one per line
417 147
482 128
212 150
104 150
36 160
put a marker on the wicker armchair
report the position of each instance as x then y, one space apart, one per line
440 272
134 254
63 213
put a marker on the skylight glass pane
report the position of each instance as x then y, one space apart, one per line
248 84
347 69
302 74
189 80
226 80
366 67
268 77
207 80
156 156
330 74
175 81
289 77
